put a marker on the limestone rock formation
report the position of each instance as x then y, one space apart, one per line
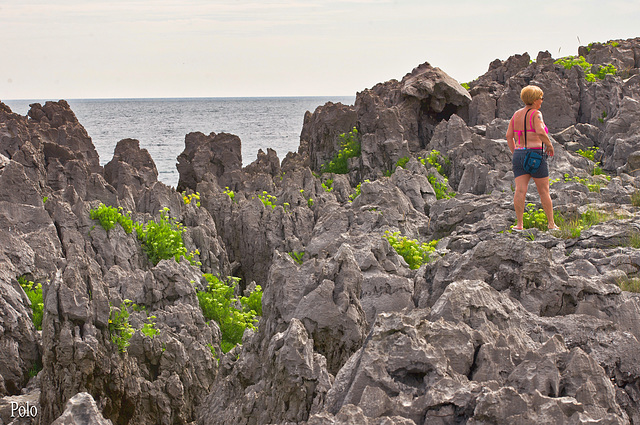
393 294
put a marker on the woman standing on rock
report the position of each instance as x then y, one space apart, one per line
527 125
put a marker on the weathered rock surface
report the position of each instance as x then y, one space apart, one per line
495 328
82 409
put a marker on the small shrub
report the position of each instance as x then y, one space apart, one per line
109 216
569 62
441 189
191 198
162 240
402 161
34 293
149 328
230 193
350 148
534 218
466 86
328 185
413 252
119 327
589 153
437 160
358 190
268 200
297 256
218 304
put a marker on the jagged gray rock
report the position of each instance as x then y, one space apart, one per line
495 328
81 408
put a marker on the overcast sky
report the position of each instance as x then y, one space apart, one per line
51 49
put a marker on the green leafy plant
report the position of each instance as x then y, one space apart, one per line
358 190
267 200
591 186
402 162
466 86
589 153
569 62
534 218
191 198
149 328
441 189
349 148
45 199
119 327
34 293
328 185
297 256
437 160
413 252
602 117
163 239
233 315
109 216
230 193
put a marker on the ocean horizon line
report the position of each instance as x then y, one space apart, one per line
155 99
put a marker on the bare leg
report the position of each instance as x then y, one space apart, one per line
522 183
545 199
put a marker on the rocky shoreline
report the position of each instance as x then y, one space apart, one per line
496 327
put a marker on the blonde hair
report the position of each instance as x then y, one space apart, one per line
530 94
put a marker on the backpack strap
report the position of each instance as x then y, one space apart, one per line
525 127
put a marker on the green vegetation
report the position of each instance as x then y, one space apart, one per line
109 216
328 185
570 227
629 284
438 161
635 198
358 190
534 218
589 153
233 315
119 327
569 62
466 86
402 161
149 328
34 293
163 240
349 148
160 240
297 256
230 193
267 200
634 240
441 189
413 252
191 198
602 118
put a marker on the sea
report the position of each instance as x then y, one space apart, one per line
162 124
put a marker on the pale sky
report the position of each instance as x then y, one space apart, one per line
52 49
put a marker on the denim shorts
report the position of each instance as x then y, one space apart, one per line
518 159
